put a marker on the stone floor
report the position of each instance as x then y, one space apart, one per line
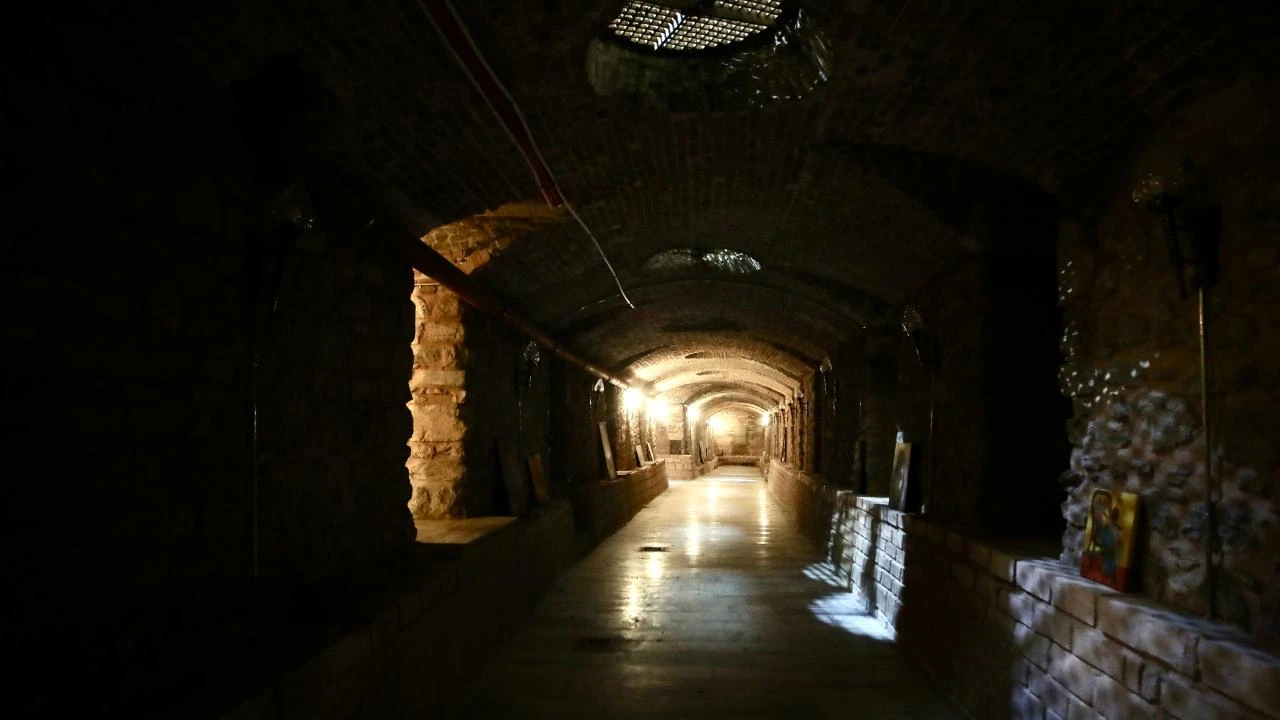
708 604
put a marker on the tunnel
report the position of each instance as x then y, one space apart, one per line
642 358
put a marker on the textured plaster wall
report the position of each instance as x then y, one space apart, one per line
1131 363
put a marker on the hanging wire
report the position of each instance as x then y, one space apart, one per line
520 116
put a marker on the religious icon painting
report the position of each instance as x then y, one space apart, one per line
1108 538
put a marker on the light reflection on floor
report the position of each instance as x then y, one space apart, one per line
727 612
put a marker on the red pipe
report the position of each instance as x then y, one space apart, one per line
455 36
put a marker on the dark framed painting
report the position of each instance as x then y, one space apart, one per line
513 477
900 488
648 446
1109 533
607 447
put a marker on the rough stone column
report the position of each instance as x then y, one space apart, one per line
438 388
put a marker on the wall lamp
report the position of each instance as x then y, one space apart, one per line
1191 224
1192 228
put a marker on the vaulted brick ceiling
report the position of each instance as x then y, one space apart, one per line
936 116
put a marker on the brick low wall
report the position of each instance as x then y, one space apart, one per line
1010 633
807 497
679 467
606 506
411 650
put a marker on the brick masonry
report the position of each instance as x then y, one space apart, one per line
411 652
1010 633
606 506
679 467
1131 363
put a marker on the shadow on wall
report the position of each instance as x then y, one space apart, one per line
1010 632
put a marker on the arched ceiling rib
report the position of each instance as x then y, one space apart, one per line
691 371
693 391
707 398
849 199
653 362
734 406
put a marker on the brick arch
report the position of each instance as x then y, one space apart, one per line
677 384
826 295
703 313
654 362
683 372
734 394
719 406
1037 93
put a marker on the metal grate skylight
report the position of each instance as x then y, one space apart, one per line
765 11
689 259
694 25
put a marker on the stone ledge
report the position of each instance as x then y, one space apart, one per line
451 537
394 631
1100 651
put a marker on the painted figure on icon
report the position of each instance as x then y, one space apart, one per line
1108 538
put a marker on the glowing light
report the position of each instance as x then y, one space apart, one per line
716 424
655 566
632 399
764 420
694 412
658 406
693 539
631 611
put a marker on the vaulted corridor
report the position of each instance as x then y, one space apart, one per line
708 604
642 358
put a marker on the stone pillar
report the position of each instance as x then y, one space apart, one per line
438 387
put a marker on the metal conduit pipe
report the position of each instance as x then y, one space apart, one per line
434 265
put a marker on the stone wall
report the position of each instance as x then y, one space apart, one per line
604 507
707 467
437 390
983 360
954 312
508 396
1012 634
330 406
807 496
792 434
679 467
577 408
740 432
983 327
134 386
1132 362
394 657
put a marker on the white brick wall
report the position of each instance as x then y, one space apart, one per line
1061 646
